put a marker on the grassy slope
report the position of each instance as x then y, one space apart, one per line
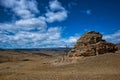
103 67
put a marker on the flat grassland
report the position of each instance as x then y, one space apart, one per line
23 66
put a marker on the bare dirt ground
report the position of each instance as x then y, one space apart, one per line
36 67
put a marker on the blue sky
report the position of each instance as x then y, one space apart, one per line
55 23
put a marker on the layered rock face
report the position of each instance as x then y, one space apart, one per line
90 44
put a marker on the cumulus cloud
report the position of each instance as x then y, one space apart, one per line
56 12
32 23
31 31
55 5
22 8
58 16
18 38
115 37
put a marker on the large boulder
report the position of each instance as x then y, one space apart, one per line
90 44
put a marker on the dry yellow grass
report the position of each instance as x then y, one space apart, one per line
102 67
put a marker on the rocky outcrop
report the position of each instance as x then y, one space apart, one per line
118 46
90 44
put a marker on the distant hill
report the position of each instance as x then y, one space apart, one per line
43 50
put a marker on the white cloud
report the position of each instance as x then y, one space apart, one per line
55 5
72 39
32 23
32 5
115 37
21 38
26 9
31 31
22 8
56 12
58 16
